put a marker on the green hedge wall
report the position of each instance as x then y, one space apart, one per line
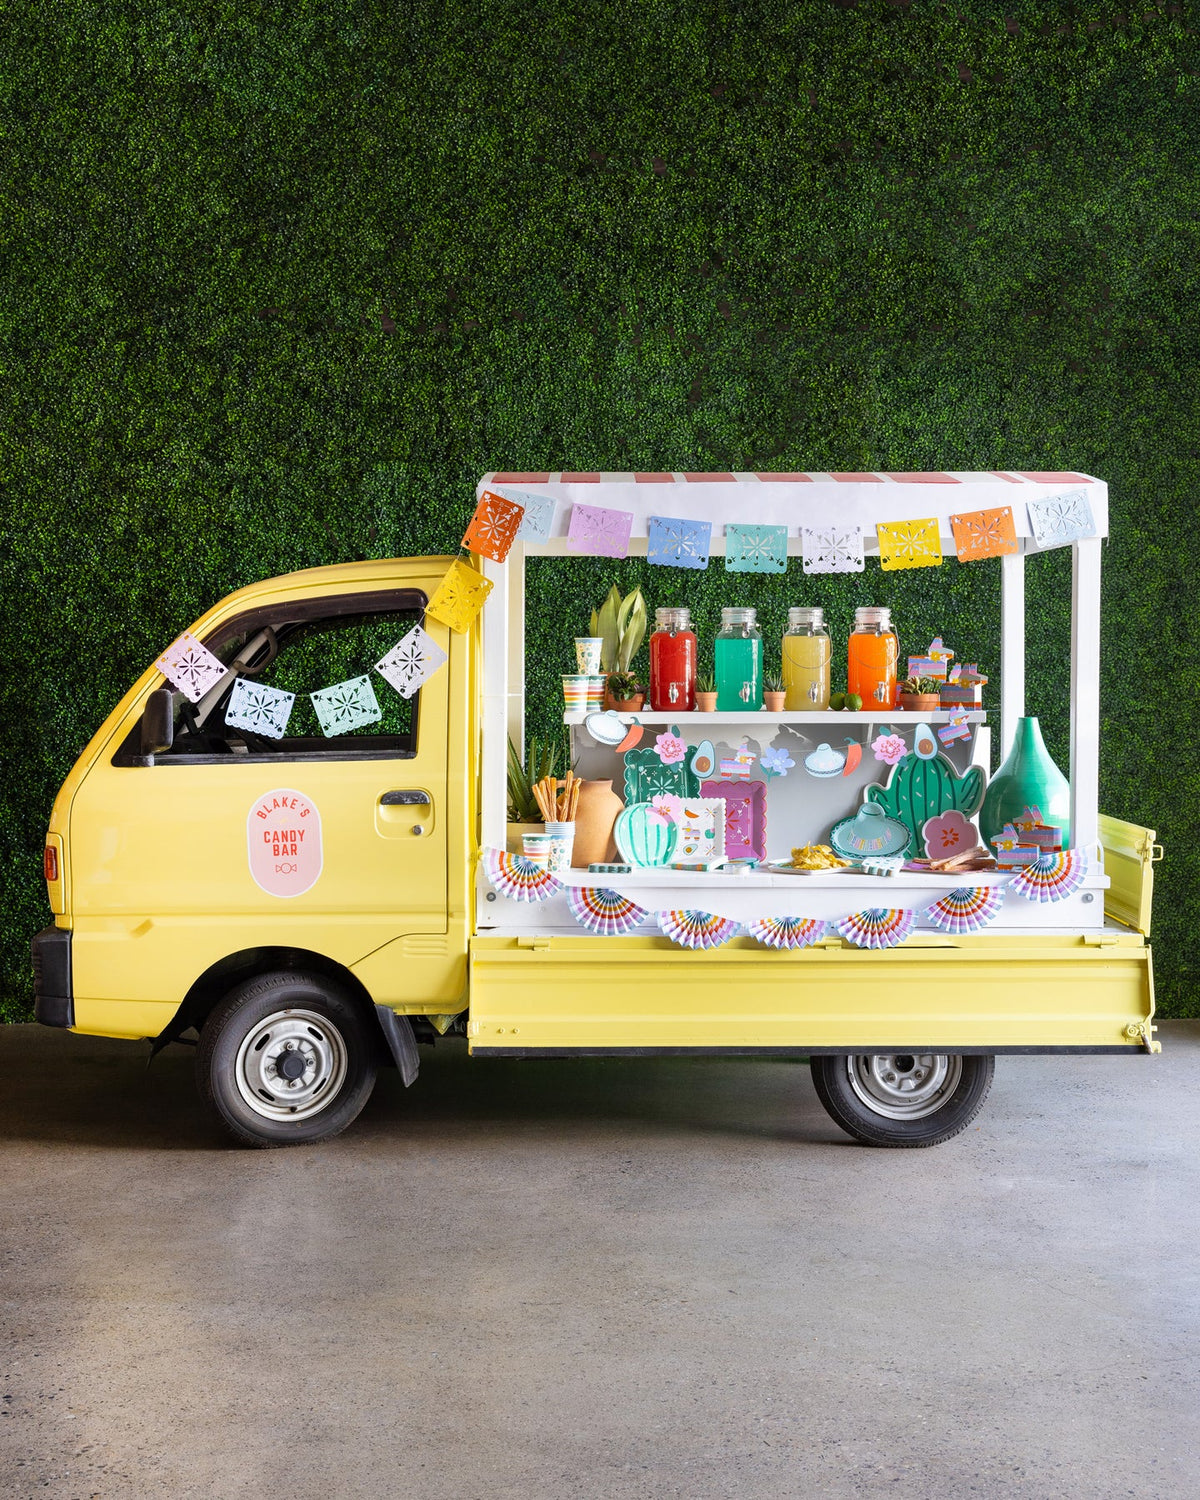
282 281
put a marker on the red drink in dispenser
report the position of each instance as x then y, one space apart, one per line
672 662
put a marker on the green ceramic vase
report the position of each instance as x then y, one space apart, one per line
1028 778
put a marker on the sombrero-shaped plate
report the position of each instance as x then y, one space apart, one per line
870 833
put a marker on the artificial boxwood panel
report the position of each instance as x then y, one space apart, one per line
281 282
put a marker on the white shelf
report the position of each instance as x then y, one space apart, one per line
827 716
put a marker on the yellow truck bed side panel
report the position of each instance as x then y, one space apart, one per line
1130 854
987 993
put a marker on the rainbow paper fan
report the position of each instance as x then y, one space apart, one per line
696 929
787 932
518 878
603 911
966 909
877 927
1051 877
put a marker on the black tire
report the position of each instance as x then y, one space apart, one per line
903 1099
260 1034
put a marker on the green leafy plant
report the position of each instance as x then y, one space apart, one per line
917 686
543 760
773 684
622 686
706 683
621 625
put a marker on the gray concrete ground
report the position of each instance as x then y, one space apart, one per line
601 1279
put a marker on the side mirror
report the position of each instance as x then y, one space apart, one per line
158 722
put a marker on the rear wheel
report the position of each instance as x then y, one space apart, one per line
285 1059
903 1098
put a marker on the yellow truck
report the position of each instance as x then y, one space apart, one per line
314 907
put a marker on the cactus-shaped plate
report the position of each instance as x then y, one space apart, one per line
645 839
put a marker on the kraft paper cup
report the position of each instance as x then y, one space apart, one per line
587 654
595 693
575 693
562 842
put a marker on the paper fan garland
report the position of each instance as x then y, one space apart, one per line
1051 877
518 878
877 927
604 911
696 929
787 932
967 909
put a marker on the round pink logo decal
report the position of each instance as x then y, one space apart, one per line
283 835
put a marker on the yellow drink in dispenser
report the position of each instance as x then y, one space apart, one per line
805 653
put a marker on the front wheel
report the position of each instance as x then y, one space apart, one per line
903 1098
285 1059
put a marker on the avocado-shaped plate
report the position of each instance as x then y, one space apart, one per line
870 833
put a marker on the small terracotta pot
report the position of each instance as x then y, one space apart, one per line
632 705
773 702
919 703
706 703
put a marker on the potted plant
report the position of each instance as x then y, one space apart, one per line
621 626
706 693
773 694
919 694
624 693
524 815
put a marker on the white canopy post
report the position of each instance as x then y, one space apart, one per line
1085 693
495 686
1012 648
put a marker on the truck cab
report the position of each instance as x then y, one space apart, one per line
190 859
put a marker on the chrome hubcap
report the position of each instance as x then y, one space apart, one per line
291 1065
904 1085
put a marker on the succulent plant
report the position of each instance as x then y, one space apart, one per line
622 686
706 683
918 686
773 684
543 761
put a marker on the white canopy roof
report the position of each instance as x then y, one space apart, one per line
800 499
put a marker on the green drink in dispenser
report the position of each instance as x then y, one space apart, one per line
738 654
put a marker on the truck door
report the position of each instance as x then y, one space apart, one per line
234 840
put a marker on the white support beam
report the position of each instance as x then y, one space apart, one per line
1085 694
515 716
495 684
1012 648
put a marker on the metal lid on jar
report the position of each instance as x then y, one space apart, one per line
872 614
737 616
676 617
803 614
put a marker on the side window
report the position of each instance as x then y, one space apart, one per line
301 648
320 654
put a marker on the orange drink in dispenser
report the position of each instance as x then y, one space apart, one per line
872 659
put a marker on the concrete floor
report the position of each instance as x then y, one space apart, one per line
600 1279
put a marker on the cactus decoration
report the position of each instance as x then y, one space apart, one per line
921 788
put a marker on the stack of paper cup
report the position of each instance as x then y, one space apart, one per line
575 693
536 846
562 842
595 693
587 654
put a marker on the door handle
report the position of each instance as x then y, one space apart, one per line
404 799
